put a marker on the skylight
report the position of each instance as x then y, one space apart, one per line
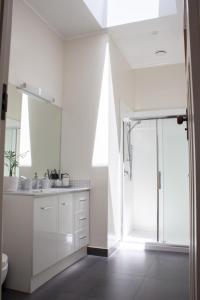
110 13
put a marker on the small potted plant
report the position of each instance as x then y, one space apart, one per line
11 161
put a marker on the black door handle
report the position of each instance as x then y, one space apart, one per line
181 119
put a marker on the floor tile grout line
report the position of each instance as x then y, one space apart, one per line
138 289
141 284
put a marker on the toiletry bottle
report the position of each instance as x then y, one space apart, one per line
65 179
45 182
35 182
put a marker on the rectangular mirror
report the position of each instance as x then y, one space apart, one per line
33 131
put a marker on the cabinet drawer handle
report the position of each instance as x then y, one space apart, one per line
65 204
83 237
46 207
83 199
81 219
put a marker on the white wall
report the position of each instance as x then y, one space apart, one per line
37 53
84 62
121 95
159 88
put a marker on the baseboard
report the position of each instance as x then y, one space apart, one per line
104 252
97 251
166 247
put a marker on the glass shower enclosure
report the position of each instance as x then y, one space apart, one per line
155 182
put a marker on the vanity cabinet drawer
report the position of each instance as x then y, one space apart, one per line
81 238
81 201
81 220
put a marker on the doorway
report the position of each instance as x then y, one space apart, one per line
155 180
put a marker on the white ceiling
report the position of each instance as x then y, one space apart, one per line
140 40
69 18
137 41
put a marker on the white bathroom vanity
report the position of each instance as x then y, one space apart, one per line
44 232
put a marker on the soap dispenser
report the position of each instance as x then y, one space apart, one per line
45 182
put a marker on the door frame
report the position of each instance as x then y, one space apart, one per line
192 47
193 72
5 37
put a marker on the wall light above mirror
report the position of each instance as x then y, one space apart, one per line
36 93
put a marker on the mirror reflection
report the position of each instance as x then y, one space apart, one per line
33 132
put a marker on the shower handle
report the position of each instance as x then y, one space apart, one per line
159 180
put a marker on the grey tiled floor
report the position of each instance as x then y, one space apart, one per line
126 275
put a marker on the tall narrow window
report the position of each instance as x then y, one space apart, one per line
25 142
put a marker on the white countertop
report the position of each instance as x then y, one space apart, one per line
48 192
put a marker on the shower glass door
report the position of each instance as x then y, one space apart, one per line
140 189
156 196
174 188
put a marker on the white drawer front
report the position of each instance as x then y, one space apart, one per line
81 201
81 238
81 220
66 226
45 233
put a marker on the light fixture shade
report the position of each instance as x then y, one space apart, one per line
37 93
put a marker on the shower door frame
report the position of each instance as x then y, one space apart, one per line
147 116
